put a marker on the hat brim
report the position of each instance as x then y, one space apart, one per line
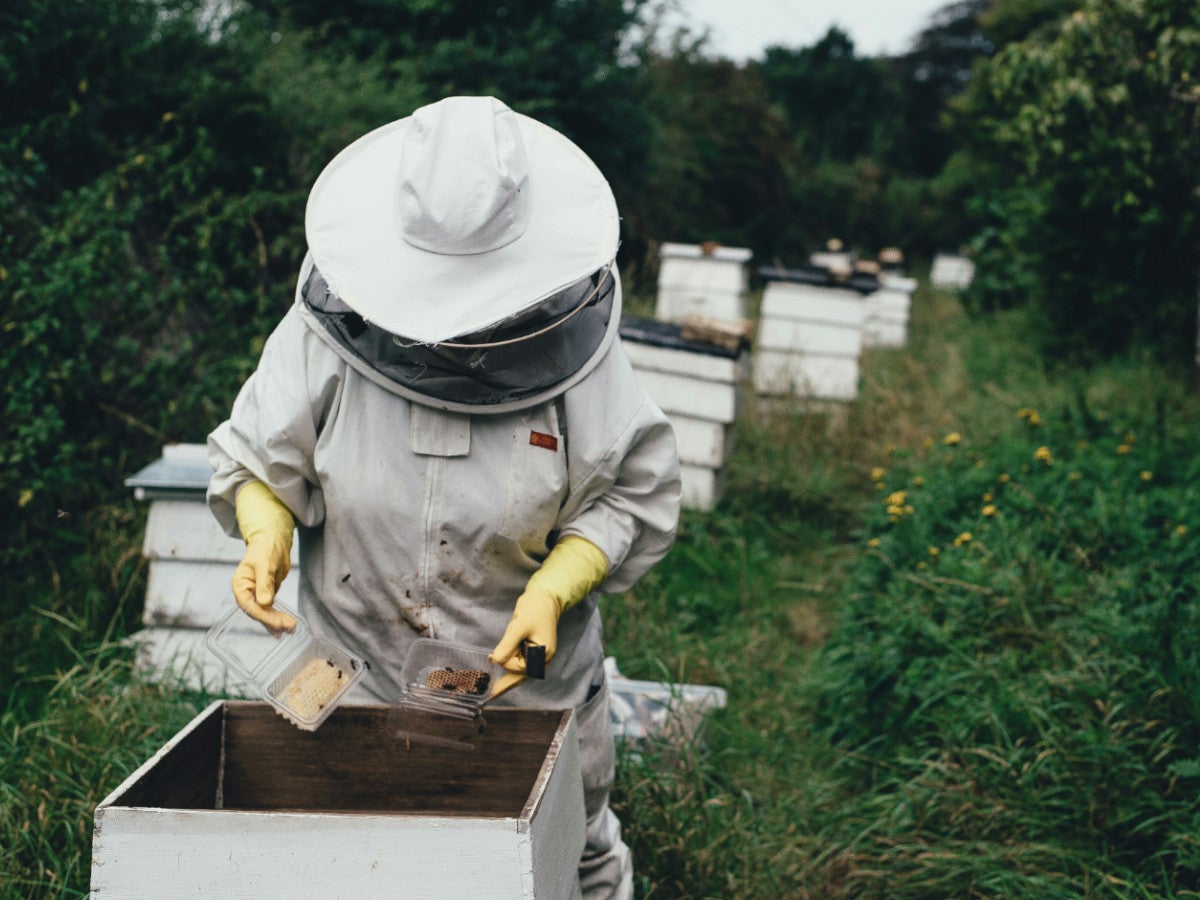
351 228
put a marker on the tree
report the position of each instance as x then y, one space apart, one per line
1094 126
838 105
560 61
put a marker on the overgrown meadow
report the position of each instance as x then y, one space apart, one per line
957 623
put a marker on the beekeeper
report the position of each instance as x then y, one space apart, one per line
448 418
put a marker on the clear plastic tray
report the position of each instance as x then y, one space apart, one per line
444 686
302 675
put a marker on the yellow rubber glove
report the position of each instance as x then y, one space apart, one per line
266 526
569 573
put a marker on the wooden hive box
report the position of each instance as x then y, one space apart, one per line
951 271
698 386
701 280
191 564
886 323
241 804
810 334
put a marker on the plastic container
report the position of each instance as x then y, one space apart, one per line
302 675
444 686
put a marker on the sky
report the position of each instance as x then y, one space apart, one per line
742 29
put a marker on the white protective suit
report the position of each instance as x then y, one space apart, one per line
418 522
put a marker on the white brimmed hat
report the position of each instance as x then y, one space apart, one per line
458 217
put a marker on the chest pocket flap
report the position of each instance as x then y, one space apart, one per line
436 432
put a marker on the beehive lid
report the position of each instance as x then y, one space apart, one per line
821 277
181 473
670 335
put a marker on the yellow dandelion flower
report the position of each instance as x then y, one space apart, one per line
1123 449
934 551
880 486
1024 412
873 542
927 443
897 498
952 439
1043 454
987 497
921 566
1003 478
964 538
895 511
877 473
1145 475
1073 476
918 481
989 510
1034 419
908 509
1180 530
1130 437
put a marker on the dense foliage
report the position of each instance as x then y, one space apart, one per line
1093 127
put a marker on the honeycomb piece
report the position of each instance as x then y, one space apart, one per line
460 681
312 688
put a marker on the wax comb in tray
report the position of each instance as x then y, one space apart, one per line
302 675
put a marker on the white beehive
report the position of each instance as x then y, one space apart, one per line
888 310
701 280
698 386
951 271
241 804
191 564
810 335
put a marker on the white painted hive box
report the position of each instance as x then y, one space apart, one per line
241 804
888 311
699 280
810 336
951 271
191 564
699 388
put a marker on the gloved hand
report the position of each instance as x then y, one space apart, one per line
266 526
569 573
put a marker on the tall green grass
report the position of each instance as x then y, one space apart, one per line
1014 715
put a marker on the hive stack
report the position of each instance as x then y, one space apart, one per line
810 333
706 280
888 309
698 384
191 565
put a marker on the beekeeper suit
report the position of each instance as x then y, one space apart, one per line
447 416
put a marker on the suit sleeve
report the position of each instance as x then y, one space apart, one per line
625 492
271 433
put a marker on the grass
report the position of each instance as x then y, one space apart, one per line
1014 715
